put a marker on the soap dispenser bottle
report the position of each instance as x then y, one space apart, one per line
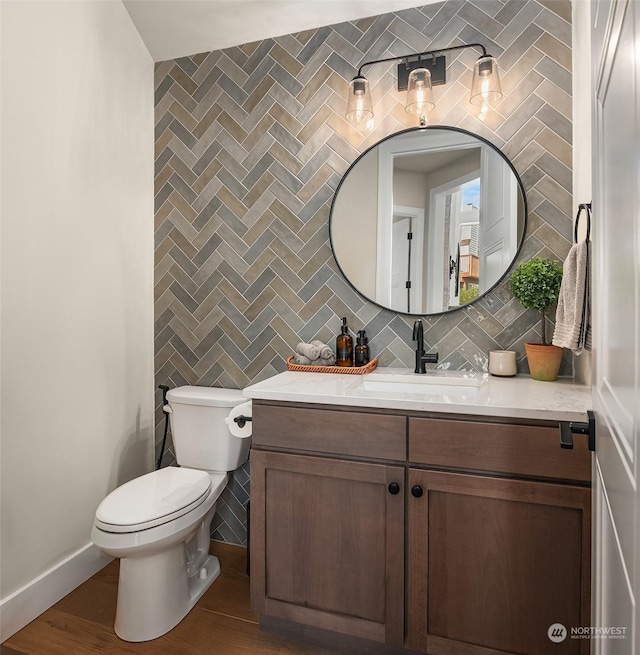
344 346
362 349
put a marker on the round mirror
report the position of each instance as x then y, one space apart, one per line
427 220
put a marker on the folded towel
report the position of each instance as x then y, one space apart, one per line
320 361
325 350
573 315
308 350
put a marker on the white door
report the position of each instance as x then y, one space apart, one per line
616 276
498 205
407 254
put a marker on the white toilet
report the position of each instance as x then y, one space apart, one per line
158 524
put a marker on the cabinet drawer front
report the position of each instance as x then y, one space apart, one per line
357 434
496 447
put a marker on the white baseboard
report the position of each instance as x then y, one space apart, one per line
27 603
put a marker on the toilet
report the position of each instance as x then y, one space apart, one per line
158 524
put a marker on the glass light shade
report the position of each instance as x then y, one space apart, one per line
419 93
359 107
485 86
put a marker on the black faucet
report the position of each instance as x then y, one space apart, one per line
422 358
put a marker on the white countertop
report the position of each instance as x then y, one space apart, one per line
517 397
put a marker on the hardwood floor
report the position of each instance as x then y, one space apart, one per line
221 623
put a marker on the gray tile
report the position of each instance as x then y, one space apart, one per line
285 138
315 282
258 247
557 219
519 117
520 46
379 27
254 290
260 342
556 26
258 55
257 75
212 78
288 82
348 31
442 18
516 16
313 44
232 88
477 17
556 170
556 73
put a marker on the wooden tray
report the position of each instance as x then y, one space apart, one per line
353 370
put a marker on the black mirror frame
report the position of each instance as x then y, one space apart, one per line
423 129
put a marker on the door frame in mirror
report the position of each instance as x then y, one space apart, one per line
417 130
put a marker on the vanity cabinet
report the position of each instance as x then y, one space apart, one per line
496 556
422 534
332 552
327 546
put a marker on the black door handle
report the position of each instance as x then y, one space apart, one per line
569 428
394 488
416 491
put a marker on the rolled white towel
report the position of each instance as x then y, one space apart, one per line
308 350
301 359
325 350
319 362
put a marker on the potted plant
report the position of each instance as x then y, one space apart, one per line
536 285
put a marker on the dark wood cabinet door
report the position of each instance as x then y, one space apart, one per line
494 562
327 547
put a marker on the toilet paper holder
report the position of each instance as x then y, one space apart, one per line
242 420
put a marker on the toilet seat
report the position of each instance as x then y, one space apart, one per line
155 498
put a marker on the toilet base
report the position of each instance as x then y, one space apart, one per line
155 593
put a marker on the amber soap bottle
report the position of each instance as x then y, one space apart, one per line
344 346
361 357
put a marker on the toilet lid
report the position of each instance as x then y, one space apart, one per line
153 499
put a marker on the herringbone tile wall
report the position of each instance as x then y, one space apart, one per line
250 145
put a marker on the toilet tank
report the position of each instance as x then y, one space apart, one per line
201 438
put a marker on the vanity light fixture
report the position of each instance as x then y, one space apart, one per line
417 73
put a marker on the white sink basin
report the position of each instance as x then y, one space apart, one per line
433 383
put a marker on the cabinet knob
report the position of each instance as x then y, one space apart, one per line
394 488
416 491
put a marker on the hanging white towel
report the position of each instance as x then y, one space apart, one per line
573 315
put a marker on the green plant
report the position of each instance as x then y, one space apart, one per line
468 293
536 285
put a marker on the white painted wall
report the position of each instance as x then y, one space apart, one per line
354 224
77 274
179 28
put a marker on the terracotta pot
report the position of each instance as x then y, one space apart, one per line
544 361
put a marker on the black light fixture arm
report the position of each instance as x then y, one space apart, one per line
421 55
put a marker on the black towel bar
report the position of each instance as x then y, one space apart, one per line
586 207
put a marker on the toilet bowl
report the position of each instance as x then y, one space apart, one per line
158 524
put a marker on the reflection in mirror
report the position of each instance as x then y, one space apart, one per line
427 220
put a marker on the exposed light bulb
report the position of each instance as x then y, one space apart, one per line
485 86
359 107
419 94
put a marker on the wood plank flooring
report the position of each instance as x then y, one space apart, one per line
221 623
